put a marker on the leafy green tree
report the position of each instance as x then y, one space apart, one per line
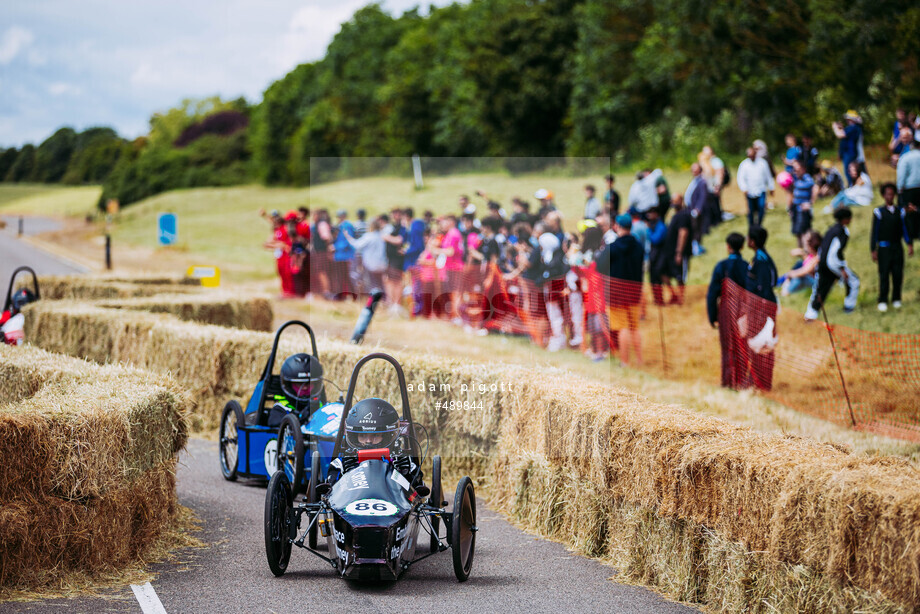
23 167
53 156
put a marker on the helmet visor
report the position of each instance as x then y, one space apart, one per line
369 440
301 389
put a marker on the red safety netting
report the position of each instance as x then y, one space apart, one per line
863 379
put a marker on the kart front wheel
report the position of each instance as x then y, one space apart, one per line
311 493
436 499
230 421
463 529
291 452
278 505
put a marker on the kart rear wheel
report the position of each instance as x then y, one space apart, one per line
436 499
291 452
278 505
463 529
230 421
311 494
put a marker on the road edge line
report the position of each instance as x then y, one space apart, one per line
147 598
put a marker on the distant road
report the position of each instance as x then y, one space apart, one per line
15 253
512 570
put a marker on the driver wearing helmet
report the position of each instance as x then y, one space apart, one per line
302 388
372 424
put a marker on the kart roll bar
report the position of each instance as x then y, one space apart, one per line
270 365
9 292
350 396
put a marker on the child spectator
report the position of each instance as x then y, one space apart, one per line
832 267
725 312
592 205
804 193
793 152
889 228
761 310
802 274
859 194
830 181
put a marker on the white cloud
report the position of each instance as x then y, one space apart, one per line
98 62
310 30
59 88
14 40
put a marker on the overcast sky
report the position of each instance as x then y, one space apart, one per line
87 63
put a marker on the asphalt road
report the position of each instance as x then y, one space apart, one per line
512 571
15 253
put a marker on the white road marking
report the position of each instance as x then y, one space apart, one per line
147 597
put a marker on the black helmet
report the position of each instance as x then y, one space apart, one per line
371 423
22 298
302 377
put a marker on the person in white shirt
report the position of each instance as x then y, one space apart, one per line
755 180
643 194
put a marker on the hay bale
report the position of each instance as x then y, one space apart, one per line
80 287
710 512
88 461
221 309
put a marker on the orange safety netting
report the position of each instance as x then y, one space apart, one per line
867 380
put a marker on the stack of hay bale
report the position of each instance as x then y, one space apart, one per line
87 477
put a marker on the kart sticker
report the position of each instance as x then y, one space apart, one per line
399 479
332 426
371 507
271 456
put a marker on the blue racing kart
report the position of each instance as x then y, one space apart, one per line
372 518
249 439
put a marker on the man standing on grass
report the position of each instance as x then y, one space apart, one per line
622 262
755 180
729 279
889 228
832 267
760 310
677 250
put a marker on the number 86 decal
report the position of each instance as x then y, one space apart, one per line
371 507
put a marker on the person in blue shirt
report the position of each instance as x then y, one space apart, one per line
657 258
793 152
850 147
804 193
810 155
343 258
725 312
416 241
760 309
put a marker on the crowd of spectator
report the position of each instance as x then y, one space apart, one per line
577 283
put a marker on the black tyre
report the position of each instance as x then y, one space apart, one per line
463 529
278 505
291 452
315 478
436 499
230 422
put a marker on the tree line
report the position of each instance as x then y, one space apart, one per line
640 81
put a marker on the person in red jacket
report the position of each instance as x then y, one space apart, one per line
280 244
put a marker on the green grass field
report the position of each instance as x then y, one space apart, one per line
48 200
221 225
